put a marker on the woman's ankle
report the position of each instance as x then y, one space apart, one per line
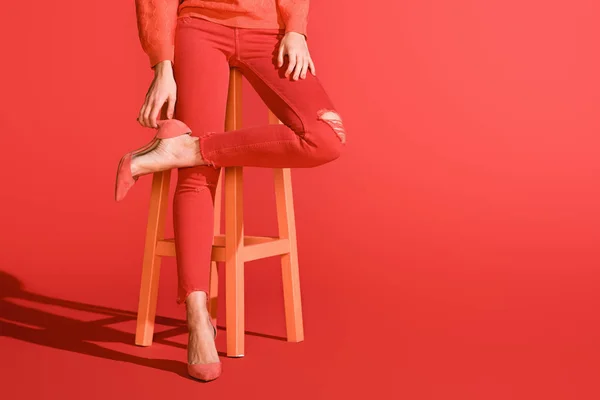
197 310
199 159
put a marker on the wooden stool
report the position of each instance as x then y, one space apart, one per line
233 247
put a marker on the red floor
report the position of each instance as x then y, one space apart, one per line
435 336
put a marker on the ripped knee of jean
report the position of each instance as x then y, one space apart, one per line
334 120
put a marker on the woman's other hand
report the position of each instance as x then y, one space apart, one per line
294 46
162 90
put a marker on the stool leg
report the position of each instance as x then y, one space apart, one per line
151 266
234 229
234 262
289 262
213 293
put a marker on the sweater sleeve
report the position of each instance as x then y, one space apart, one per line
156 21
294 14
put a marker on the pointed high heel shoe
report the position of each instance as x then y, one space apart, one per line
206 372
167 128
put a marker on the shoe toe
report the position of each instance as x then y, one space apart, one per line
205 372
124 179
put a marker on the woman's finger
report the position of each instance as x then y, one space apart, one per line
311 66
291 64
142 114
280 56
305 68
170 107
153 116
146 116
142 118
147 106
299 67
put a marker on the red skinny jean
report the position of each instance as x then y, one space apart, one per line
204 53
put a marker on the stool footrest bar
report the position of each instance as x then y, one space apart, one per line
255 247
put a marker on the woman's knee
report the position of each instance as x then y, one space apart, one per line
328 136
334 121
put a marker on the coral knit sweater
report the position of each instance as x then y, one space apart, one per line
156 19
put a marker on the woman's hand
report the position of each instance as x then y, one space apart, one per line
162 90
294 46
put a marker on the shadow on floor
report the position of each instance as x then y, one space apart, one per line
43 328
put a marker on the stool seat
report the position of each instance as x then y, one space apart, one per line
233 247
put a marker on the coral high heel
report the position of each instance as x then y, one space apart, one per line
167 128
206 372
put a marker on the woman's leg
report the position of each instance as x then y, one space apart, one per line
202 76
312 132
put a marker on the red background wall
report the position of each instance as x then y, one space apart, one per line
451 253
